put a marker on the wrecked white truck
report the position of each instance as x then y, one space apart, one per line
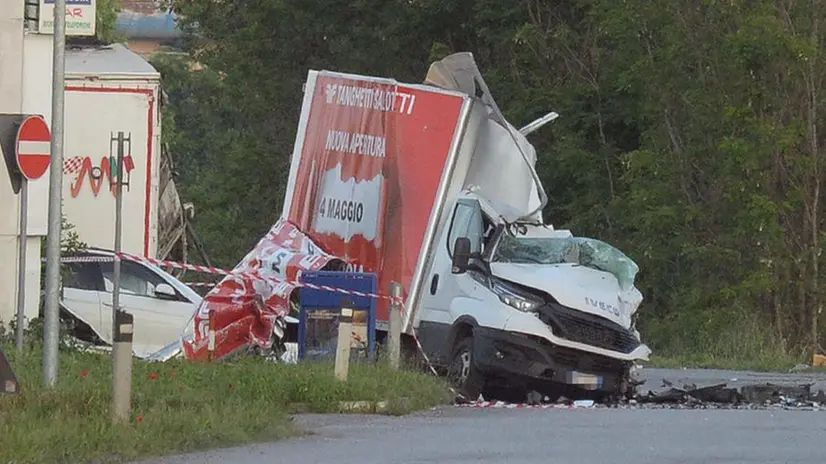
429 186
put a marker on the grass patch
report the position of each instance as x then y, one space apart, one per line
707 361
710 361
181 406
746 344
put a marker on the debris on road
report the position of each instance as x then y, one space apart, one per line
750 394
719 395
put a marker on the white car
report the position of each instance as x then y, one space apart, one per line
160 304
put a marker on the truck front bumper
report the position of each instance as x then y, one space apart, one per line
516 358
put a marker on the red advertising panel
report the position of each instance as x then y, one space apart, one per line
370 167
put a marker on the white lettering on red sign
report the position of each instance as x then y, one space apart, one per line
371 99
356 143
352 267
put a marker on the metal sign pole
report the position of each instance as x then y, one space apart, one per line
118 219
21 263
51 332
122 323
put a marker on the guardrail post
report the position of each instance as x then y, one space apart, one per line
122 353
345 334
394 336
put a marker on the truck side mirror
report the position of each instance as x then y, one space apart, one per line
165 292
461 255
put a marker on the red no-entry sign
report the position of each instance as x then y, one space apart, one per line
34 146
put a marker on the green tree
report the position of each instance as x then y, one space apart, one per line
690 134
106 15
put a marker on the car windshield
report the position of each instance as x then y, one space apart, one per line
588 252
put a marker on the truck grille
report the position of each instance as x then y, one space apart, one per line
586 328
567 358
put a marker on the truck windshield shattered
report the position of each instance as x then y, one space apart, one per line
582 251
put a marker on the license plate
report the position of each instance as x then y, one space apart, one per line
586 381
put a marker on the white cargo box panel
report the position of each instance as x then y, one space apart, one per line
108 90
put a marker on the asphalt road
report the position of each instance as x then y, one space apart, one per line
582 436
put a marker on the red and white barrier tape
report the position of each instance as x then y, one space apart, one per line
83 259
211 270
419 347
219 271
504 405
176 265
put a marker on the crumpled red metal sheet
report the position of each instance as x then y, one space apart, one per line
246 303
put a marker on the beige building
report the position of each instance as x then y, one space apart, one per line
25 87
154 221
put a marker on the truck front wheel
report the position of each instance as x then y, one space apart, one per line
463 374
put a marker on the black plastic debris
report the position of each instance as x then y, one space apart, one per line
534 398
565 401
671 395
716 394
775 393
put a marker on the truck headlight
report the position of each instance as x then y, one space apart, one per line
515 297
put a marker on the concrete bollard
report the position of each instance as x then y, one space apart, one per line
211 336
345 334
122 376
394 335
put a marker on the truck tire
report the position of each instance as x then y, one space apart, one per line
463 374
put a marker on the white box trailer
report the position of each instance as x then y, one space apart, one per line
111 90
113 93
